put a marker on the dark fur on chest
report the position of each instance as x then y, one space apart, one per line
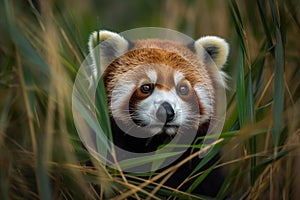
211 184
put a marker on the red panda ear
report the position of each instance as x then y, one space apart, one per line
114 40
110 44
212 48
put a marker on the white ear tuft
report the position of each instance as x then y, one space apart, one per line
117 42
105 47
212 48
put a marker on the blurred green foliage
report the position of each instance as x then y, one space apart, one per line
42 45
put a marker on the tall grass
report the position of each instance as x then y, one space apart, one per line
42 47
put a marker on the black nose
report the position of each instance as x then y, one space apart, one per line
165 113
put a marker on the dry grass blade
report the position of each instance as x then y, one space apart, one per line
167 171
42 45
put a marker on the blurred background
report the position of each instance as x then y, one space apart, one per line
43 43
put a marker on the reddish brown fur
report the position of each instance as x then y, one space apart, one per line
161 52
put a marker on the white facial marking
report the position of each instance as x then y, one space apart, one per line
185 114
147 110
206 100
152 75
120 92
178 76
171 131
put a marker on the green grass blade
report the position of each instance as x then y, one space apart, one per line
240 90
45 188
203 162
250 101
278 89
233 118
259 76
201 177
238 24
93 124
101 100
251 121
262 13
133 162
235 8
274 12
24 46
279 76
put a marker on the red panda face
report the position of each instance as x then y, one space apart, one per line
159 85
162 100
158 91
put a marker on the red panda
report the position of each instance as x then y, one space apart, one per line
157 89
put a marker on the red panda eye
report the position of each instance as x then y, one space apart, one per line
147 88
183 89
